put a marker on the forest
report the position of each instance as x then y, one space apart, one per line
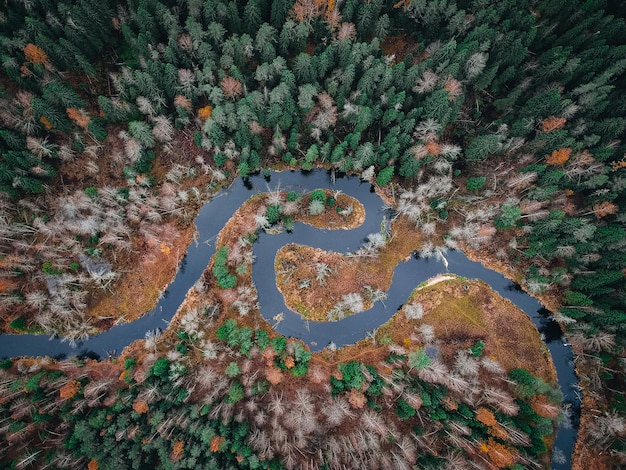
492 127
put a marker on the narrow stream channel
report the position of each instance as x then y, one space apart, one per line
317 335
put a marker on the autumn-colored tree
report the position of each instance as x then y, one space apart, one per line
604 208
46 123
216 443
79 116
140 407
92 465
205 112
552 123
231 87
357 399
183 102
500 455
433 148
35 54
454 89
177 450
559 157
274 375
543 407
305 10
70 389
485 416
289 362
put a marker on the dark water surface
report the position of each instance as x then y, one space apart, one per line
317 335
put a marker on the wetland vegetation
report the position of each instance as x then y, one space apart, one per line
492 127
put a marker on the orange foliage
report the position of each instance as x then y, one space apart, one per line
543 407
500 455
92 465
216 443
559 157
47 124
231 87
357 399
183 102
177 451
433 148
35 54
406 342
499 432
140 407
604 208
402 3
305 10
205 112
274 375
454 89
289 362
616 165
331 4
78 116
552 123
486 417
70 389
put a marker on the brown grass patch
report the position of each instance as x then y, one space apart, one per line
139 289
463 312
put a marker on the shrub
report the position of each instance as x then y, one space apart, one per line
475 183
18 324
273 213
318 195
316 207
477 349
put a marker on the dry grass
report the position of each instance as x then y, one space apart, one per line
463 312
140 288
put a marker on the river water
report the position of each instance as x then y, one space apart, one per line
317 335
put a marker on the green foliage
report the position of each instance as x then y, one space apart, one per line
509 217
6 364
18 324
279 343
477 349
161 368
224 279
232 369
97 130
475 183
273 213
404 410
483 146
235 393
418 359
318 195
384 176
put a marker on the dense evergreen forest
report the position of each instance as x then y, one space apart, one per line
498 126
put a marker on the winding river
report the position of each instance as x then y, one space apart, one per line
317 335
